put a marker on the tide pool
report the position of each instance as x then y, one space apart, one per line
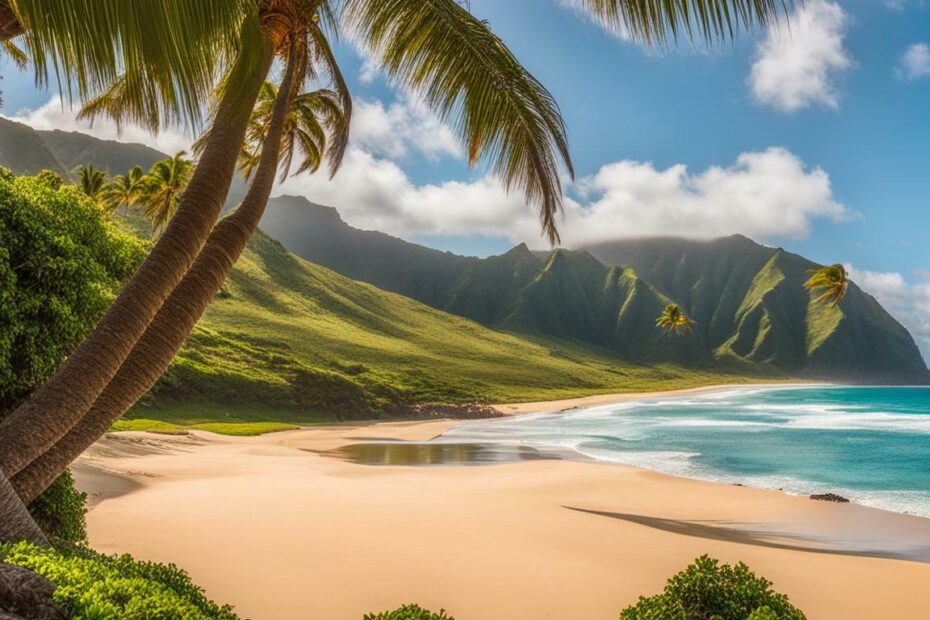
870 444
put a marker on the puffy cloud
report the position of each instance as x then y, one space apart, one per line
914 62
765 195
798 64
59 115
405 124
908 302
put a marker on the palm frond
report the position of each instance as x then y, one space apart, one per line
674 320
171 47
469 78
326 60
18 56
653 21
832 280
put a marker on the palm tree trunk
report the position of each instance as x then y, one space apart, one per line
15 521
10 25
174 322
63 399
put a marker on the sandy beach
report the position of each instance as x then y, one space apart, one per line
281 531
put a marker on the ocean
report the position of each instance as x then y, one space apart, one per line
869 444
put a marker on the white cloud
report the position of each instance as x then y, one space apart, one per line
406 124
914 63
768 194
369 71
799 63
55 115
909 303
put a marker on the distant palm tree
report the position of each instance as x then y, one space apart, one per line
673 320
124 190
91 179
162 188
832 280
311 116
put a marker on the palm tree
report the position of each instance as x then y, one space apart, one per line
123 190
433 47
276 126
674 321
161 83
312 115
91 180
832 280
162 188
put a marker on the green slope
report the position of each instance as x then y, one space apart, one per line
74 149
294 342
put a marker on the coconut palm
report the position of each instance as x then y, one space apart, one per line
91 180
312 115
162 188
832 280
174 322
674 321
162 83
124 190
435 48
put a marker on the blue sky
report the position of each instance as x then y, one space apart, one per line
814 138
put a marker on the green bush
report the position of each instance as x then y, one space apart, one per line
409 612
708 590
93 586
61 264
60 511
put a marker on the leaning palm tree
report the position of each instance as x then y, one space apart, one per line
832 280
162 188
165 83
91 180
282 131
433 47
124 190
674 321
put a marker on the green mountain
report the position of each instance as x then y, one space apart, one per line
74 149
752 311
23 150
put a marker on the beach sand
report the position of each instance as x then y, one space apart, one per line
282 532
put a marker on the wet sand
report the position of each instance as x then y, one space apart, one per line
281 531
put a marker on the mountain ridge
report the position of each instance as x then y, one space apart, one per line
751 307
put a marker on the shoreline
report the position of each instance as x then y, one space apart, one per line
601 400
320 537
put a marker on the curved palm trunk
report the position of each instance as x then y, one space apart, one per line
15 521
63 399
174 322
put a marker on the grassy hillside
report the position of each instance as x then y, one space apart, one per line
292 342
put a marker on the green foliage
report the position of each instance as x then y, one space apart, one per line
61 265
161 189
713 591
409 612
60 510
93 586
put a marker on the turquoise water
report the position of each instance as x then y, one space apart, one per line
870 444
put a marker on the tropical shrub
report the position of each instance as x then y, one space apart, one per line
61 265
99 587
409 612
60 510
713 591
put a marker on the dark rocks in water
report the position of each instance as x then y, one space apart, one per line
830 497
25 595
